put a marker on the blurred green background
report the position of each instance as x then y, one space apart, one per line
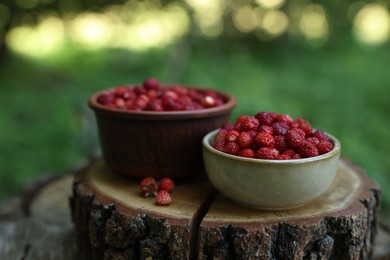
325 61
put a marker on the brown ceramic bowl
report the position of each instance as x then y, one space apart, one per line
157 144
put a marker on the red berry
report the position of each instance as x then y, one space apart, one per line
324 147
148 186
120 91
307 149
264 140
154 105
119 103
283 157
289 152
320 135
152 94
232 135
284 118
221 135
163 198
296 156
241 118
294 137
247 152
280 143
151 84
166 184
139 90
266 129
105 98
265 118
302 124
244 140
280 128
267 153
141 102
171 104
219 145
208 101
313 140
232 148
252 134
249 123
181 91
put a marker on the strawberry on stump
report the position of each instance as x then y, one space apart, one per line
163 198
148 187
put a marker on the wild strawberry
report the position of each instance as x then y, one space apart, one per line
280 143
283 157
166 184
302 124
249 123
208 101
264 140
252 134
148 187
171 104
324 147
141 102
307 149
163 198
151 84
221 135
152 94
119 103
130 104
266 129
284 118
247 152
296 156
294 137
320 135
139 90
154 105
241 118
237 127
267 153
244 140
232 135
181 91
120 91
265 118
231 148
106 98
170 93
313 140
280 128
289 152
219 145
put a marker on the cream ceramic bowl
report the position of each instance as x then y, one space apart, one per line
270 184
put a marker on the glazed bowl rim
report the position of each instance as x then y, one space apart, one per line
336 150
230 103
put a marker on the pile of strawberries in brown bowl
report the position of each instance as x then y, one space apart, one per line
156 130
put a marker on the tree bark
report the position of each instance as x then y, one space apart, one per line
113 220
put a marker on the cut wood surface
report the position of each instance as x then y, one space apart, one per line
113 221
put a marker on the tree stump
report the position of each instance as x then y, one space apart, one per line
113 221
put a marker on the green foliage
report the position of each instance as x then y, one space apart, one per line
47 128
